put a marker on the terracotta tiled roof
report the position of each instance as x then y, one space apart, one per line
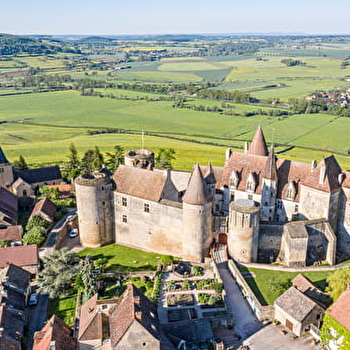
331 176
40 175
340 310
258 146
196 192
295 303
133 306
8 204
45 206
55 331
19 255
66 188
303 283
11 233
90 321
143 183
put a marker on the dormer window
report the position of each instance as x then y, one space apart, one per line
290 191
234 179
251 183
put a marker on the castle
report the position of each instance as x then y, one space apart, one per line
264 208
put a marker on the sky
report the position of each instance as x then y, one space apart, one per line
92 17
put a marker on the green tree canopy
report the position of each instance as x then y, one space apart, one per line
88 278
20 164
61 268
165 157
337 282
35 236
113 160
72 167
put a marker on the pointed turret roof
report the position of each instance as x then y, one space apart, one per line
258 145
196 190
3 159
270 171
209 175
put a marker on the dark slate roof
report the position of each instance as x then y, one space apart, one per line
258 146
295 303
7 343
196 192
11 322
12 297
57 332
3 159
15 276
340 309
8 204
270 171
31 176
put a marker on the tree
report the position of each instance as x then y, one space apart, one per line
35 236
337 282
88 278
164 158
61 268
87 161
101 264
98 159
72 168
51 193
20 164
36 221
113 160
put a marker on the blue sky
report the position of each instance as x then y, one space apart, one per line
180 16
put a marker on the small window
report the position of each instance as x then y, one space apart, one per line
146 208
124 202
296 208
125 219
250 196
2 170
103 203
144 344
102 188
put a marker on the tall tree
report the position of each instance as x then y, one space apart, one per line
60 270
20 164
72 168
87 162
88 278
337 282
113 160
98 159
164 158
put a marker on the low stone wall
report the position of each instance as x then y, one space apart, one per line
263 313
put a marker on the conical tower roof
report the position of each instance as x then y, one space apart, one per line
209 175
196 193
3 159
258 145
270 171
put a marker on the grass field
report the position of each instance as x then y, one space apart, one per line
261 283
42 126
64 307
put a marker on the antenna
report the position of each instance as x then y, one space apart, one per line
143 140
273 137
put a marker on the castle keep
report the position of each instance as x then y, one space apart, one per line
264 208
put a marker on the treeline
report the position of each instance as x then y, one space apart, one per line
289 62
234 96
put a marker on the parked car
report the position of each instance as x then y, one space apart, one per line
33 299
73 233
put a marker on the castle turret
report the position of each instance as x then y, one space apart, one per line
197 218
210 181
258 145
142 158
6 172
269 188
93 193
243 230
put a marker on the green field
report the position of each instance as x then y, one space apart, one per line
42 126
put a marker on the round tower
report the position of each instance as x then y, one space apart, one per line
197 219
141 158
94 204
243 230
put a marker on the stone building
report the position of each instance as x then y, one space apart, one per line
266 209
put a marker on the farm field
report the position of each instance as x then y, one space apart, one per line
42 126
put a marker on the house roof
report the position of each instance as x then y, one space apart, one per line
270 170
7 343
295 303
11 323
258 146
133 305
12 298
340 309
45 206
19 255
15 276
66 188
3 159
196 192
143 183
11 233
40 175
55 330
8 204
90 321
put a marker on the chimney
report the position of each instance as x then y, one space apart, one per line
246 146
228 154
313 164
136 299
138 315
341 178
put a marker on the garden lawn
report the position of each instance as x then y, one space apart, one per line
261 283
123 259
64 307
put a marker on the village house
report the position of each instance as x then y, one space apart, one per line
8 207
45 208
11 235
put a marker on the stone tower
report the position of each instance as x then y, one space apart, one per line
6 172
95 213
197 218
243 230
269 188
141 158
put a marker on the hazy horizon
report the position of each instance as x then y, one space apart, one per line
181 17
